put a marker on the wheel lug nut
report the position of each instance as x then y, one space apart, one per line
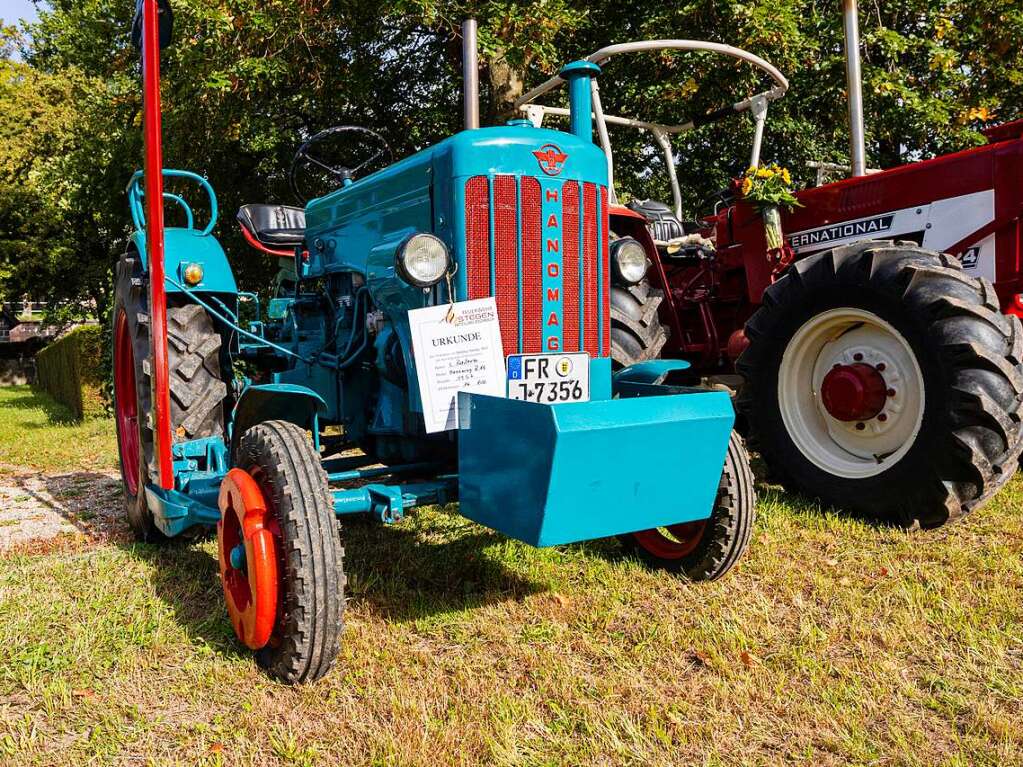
890 392
879 366
858 357
882 418
861 426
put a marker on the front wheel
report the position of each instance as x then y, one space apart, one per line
280 553
708 548
883 380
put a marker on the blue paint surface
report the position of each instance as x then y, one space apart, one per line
549 475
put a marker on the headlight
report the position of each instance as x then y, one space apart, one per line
629 261
423 260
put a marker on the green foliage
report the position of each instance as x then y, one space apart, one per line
247 80
72 371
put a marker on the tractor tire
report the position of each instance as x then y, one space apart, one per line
931 427
197 386
707 549
637 334
304 643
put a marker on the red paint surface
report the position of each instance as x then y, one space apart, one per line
570 265
853 392
126 396
532 274
681 542
251 594
154 243
591 289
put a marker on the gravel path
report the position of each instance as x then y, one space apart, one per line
37 507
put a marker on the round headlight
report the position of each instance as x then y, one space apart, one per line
423 260
629 260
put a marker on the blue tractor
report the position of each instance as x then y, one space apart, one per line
273 429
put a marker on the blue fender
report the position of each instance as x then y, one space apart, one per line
276 402
190 246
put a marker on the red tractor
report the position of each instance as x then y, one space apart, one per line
879 374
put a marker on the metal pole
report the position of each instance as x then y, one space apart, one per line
758 108
154 243
854 83
470 74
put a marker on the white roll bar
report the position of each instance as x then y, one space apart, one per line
639 46
757 104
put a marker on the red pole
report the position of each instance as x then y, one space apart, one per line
154 242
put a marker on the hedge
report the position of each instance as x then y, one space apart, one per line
71 371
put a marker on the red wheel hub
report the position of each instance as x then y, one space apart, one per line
126 402
854 392
247 549
681 542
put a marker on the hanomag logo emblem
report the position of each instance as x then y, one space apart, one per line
551 159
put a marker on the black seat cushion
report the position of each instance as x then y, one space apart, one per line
661 219
274 225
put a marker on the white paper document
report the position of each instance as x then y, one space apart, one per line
457 347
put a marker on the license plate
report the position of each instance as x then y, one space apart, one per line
549 378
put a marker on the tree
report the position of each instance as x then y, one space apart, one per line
247 80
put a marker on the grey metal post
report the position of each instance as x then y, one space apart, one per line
470 74
854 84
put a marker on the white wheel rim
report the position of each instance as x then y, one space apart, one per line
852 450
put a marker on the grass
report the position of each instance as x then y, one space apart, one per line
38 433
832 643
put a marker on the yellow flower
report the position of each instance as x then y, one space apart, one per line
763 173
747 185
786 176
750 170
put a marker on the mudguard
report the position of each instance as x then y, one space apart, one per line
190 246
275 402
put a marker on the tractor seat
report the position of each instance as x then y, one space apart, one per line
274 226
661 220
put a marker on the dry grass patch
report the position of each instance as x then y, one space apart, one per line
832 643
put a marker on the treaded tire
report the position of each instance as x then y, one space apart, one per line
195 374
969 354
637 334
130 297
725 537
304 646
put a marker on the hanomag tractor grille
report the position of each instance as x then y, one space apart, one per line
505 236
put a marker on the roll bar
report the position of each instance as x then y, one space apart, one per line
756 104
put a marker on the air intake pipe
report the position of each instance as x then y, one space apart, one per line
579 75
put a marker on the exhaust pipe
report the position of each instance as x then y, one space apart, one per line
854 85
470 75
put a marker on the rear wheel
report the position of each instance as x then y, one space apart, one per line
707 549
197 387
288 606
637 334
881 379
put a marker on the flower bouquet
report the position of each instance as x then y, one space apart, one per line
769 188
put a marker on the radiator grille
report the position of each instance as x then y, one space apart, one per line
505 232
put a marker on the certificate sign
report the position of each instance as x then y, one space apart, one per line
457 348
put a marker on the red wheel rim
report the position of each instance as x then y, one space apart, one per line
127 407
247 550
672 542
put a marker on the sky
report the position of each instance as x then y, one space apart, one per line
12 10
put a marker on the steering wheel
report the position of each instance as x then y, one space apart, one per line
336 160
